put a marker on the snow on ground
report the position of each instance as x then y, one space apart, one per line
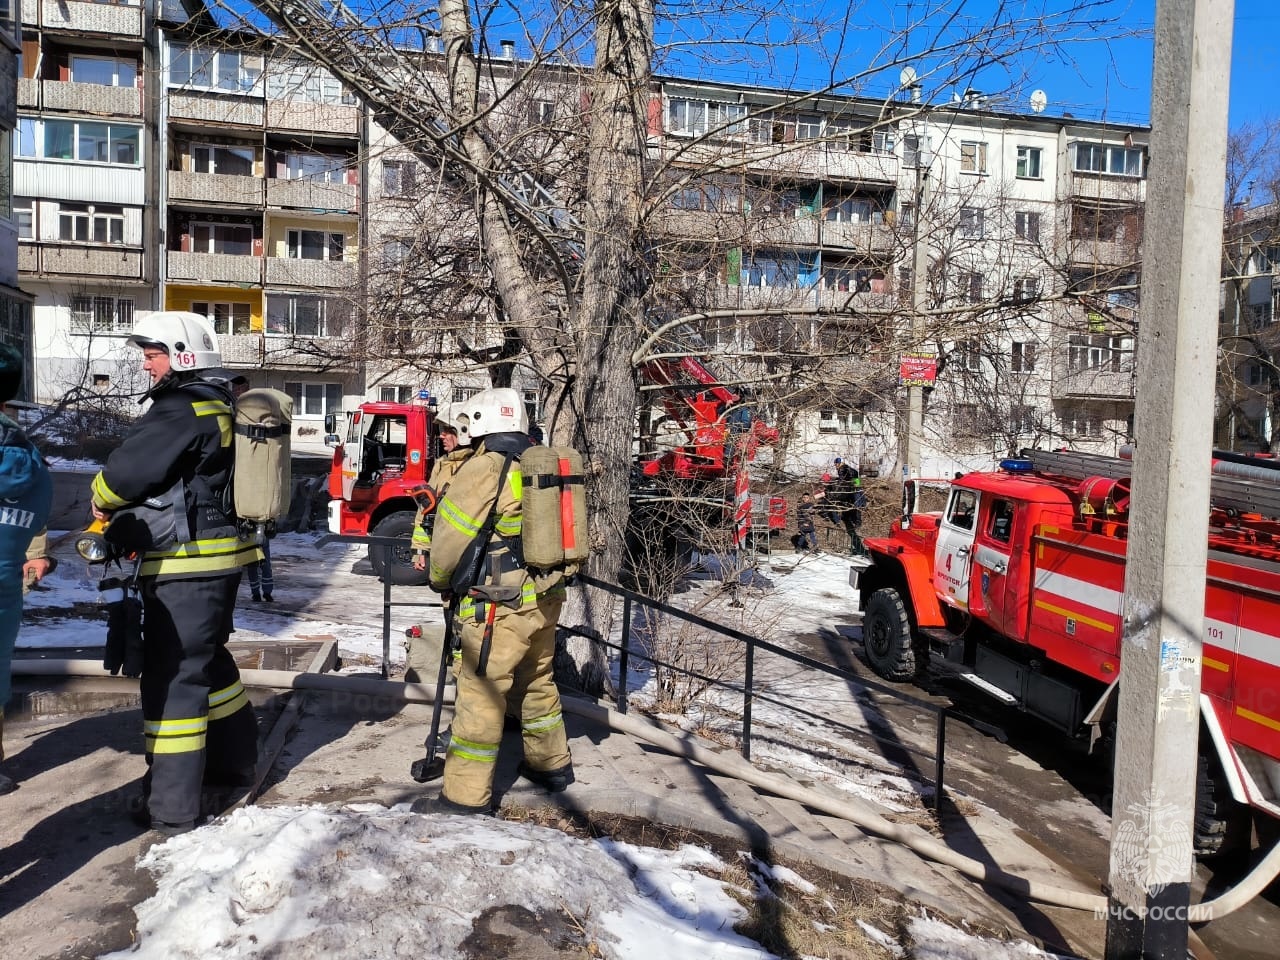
306 881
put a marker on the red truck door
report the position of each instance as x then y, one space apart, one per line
953 555
990 597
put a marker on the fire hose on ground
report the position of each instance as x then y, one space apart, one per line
854 811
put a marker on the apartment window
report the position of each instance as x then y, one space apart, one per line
231 239
971 222
905 290
861 139
696 118
315 245
973 156
465 393
968 356
967 419
1078 422
849 279
541 112
1101 352
531 407
911 148
399 178
1023 359
314 399
106 71
828 421
1026 288
1026 226
227 318
318 167
302 80
808 127
1254 375
395 393
1023 418
104 314
906 215
26 137
232 71
305 316
91 142
854 210
1108 158
24 217
1029 163
90 223
969 285
778 270
236 161
396 251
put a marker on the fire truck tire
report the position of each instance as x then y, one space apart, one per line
1221 824
886 637
400 571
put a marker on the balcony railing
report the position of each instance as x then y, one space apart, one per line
1105 253
302 115
93 98
213 267
310 273
207 108
312 195
215 188
254 350
1101 187
28 93
861 237
1098 383
117 19
75 260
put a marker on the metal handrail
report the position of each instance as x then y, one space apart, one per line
746 688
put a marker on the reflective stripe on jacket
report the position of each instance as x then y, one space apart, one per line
442 474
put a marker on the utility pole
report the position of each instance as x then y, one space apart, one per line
919 303
1159 718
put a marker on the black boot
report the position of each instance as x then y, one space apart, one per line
553 781
443 804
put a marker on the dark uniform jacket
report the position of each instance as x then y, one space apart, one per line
167 484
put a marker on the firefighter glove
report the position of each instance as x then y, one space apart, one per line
124 638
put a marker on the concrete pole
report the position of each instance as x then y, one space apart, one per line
1158 722
919 303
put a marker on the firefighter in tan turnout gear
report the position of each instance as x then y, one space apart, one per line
165 492
508 615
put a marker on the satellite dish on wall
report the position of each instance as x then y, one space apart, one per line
1039 100
907 77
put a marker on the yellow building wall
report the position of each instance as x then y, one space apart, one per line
180 297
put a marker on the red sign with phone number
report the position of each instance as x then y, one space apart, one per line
917 369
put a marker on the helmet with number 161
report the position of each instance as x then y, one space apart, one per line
188 338
496 410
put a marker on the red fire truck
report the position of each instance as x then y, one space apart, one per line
387 449
1020 581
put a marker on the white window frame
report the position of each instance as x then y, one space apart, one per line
215 240
218 69
972 224
1026 225
24 217
399 178
1022 357
696 117
212 150
228 317
1030 163
969 356
1103 158
101 314
327 396
295 245
129 66
322 322
973 157
1026 288
333 167
1079 422
115 136
107 218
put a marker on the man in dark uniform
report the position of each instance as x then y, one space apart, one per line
199 726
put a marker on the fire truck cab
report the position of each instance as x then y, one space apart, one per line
1019 580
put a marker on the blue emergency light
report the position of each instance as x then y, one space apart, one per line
1017 465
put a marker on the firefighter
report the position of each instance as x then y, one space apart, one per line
508 615
198 724
457 449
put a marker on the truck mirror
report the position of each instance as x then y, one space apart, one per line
332 440
330 426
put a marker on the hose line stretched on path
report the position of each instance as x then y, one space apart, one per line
857 812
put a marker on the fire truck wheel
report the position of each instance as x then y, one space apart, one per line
887 639
401 572
1221 824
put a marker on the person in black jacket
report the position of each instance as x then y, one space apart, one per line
164 493
807 535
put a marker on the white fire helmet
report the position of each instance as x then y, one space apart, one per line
188 338
496 410
451 415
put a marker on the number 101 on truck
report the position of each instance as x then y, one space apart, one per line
1020 580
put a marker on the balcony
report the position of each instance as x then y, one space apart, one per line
1103 253
808 159
334 119
241 349
1099 187
783 230
865 238
219 188
95 99
73 260
211 108
28 93
213 268
312 195
700 225
1091 384
117 19
310 273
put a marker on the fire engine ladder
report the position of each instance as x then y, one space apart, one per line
1253 494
